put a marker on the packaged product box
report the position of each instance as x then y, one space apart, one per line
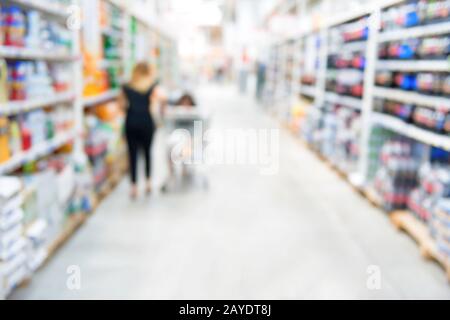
65 185
5 153
3 81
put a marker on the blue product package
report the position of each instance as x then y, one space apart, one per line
406 52
412 19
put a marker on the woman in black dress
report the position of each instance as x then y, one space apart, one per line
138 97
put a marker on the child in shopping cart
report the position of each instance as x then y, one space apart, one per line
180 120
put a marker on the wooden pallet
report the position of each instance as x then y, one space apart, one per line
416 229
326 161
72 225
402 220
371 195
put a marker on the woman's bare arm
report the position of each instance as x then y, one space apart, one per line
158 102
122 101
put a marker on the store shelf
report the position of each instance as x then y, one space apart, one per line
101 98
412 97
411 131
34 54
349 47
347 101
414 65
45 6
416 32
36 152
16 107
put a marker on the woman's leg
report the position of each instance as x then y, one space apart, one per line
133 147
147 144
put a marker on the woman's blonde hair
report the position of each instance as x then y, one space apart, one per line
141 72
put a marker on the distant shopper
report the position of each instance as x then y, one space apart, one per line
244 71
260 80
138 97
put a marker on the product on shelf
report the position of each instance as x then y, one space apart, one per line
416 13
308 80
440 227
397 174
334 131
434 185
104 140
347 61
404 16
35 80
400 110
432 119
429 83
355 31
28 29
13 26
34 128
348 82
5 152
434 48
104 71
427 48
384 78
13 251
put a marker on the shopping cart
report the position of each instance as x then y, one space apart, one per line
185 127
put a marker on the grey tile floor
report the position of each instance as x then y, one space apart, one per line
302 233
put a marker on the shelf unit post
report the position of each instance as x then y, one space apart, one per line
78 83
367 105
322 71
297 74
126 34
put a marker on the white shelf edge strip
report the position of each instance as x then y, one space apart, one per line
109 95
411 131
360 12
416 32
26 53
411 97
16 107
36 152
349 47
344 100
414 65
48 7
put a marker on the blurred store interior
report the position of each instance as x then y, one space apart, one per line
224 149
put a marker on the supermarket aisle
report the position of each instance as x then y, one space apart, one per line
300 234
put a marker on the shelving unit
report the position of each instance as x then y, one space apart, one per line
72 140
411 131
416 32
34 54
372 119
411 97
56 10
347 101
101 98
25 104
36 152
16 107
